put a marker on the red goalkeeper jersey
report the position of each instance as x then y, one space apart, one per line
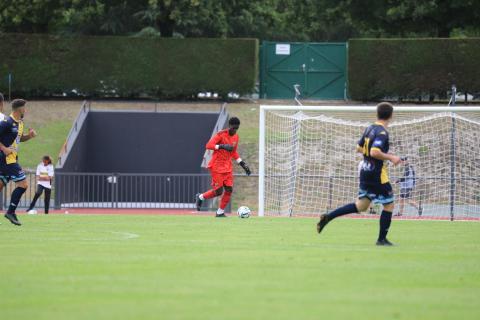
221 161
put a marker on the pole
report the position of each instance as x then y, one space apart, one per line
261 167
452 168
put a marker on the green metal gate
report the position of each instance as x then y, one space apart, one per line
319 68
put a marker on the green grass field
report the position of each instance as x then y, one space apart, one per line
187 267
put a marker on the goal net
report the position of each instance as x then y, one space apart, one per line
309 165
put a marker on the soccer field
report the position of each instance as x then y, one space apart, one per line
189 267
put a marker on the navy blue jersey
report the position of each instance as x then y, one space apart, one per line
11 131
374 171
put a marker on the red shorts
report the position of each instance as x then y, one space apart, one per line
224 179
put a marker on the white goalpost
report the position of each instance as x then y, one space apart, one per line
308 164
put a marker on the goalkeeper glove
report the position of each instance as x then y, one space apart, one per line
227 147
245 167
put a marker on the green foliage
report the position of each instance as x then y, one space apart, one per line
283 20
127 67
49 141
407 68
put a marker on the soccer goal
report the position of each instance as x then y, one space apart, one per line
308 164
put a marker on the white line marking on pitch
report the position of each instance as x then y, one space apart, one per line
126 235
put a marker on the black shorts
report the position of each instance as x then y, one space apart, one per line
11 171
377 193
406 193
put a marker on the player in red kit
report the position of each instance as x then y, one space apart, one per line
224 145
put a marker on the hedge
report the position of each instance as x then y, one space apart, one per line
406 68
44 65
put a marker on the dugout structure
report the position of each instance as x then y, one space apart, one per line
308 164
135 159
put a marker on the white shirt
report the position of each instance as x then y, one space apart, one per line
2 116
45 171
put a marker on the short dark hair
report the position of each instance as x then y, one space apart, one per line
1 97
18 103
234 121
48 159
384 111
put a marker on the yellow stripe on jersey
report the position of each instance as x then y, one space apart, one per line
384 175
12 157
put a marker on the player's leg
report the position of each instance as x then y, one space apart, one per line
414 203
16 173
362 204
47 199
37 195
401 203
217 190
227 194
387 199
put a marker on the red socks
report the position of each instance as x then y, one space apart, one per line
225 200
209 194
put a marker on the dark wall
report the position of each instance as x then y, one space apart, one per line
133 142
77 157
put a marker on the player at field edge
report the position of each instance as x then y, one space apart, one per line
44 175
374 182
224 145
407 185
11 134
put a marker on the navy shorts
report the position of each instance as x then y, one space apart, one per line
11 172
405 193
377 193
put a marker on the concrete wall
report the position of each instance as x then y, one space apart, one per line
141 142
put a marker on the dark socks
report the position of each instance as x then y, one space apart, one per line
385 221
16 195
346 209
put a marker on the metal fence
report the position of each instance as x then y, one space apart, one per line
28 195
121 190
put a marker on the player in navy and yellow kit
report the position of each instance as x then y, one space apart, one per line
374 182
224 145
11 134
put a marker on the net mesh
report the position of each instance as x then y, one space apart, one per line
311 165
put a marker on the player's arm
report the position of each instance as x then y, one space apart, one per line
239 160
380 155
31 134
360 144
377 150
4 127
214 144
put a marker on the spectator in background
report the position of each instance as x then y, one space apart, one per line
44 182
407 185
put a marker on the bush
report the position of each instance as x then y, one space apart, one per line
407 68
44 65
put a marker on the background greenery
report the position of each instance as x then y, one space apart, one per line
44 65
284 20
409 68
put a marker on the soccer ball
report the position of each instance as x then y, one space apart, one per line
243 212
32 211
